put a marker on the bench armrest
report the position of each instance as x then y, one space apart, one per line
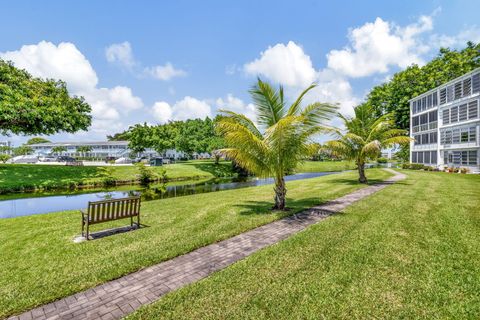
84 215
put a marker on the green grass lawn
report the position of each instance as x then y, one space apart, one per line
324 166
410 251
23 176
39 262
27 177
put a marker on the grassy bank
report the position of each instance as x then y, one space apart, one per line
23 177
410 251
325 166
40 263
27 177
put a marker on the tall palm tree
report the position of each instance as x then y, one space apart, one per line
280 139
364 136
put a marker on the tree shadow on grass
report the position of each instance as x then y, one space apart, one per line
265 207
371 182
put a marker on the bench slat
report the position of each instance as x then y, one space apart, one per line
108 210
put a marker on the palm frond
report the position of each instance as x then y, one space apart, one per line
269 104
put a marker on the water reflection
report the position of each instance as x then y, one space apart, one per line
37 203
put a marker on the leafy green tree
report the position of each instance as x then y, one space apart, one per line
22 150
140 137
83 150
121 136
193 136
4 157
5 149
365 135
282 140
31 105
36 140
163 137
59 149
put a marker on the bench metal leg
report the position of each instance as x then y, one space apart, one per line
88 231
83 228
138 220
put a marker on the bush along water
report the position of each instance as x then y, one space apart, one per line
147 174
106 176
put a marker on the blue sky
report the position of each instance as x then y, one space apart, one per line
153 61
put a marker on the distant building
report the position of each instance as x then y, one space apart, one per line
6 143
104 149
387 153
445 124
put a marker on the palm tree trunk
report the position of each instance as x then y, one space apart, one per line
361 173
280 193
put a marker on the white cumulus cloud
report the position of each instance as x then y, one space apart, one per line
162 112
237 105
376 46
187 108
47 60
166 72
120 53
285 64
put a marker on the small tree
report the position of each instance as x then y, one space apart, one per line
83 150
4 157
22 150
5 149
36 140
59 149
283 140
364 137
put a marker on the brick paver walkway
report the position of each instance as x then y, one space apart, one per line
118 298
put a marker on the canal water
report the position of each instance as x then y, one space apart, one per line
38 203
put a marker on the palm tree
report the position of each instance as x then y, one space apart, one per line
364 136
280 141
83 150
58 150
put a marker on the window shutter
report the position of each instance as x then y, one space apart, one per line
467 87
473 109
443 96
462 113
476 83
458 90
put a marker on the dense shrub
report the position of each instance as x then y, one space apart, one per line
382 160
147 174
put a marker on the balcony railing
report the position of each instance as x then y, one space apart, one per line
425 127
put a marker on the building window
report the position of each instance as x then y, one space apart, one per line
450 93
467 87
476 83
472 158
433 157
473 109
454 114
458 90
472 134
443 96
462 112
446 116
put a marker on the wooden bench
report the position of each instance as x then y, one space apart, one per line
109 210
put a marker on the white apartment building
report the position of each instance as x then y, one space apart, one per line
445 124
104 149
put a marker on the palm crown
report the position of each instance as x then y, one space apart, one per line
364 136
281 139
